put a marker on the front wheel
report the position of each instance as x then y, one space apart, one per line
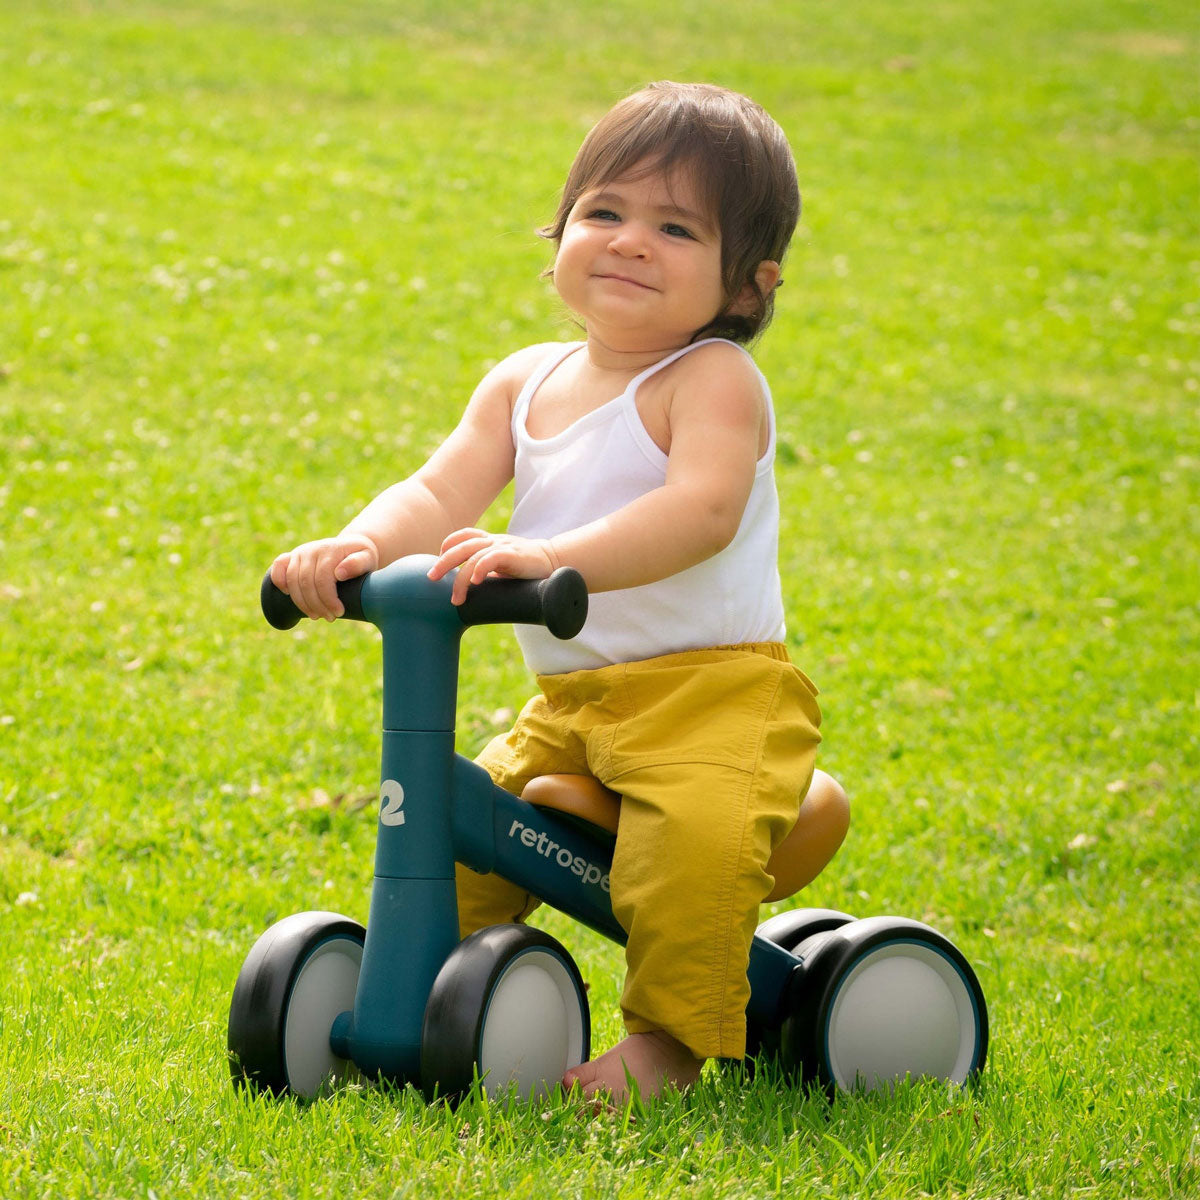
299 976
508 1008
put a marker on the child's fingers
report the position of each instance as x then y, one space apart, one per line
505 559
331 606
483 554
310 583
468 573
462 535
487 560
458 554
301 586
279 571
354 565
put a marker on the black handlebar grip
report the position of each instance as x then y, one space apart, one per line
281 611
559 602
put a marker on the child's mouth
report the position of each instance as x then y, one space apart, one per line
626 279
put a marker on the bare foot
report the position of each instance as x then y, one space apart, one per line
652 1060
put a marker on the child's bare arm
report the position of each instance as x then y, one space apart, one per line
716 420
460 479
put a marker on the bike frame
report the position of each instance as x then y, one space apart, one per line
438 808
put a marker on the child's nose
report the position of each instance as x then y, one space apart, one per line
630 240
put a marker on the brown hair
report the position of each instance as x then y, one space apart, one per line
738 158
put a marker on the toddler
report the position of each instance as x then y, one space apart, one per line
642 456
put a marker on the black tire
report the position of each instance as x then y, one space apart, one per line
508 1008
881 1000
787 930
297 978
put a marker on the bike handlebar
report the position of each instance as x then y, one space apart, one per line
559 602
281 611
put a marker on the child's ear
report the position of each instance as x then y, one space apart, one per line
766 277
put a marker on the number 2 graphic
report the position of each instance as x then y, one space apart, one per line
392 795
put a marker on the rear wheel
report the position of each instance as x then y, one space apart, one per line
882 1000
787 930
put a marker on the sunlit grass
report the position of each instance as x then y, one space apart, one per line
252 260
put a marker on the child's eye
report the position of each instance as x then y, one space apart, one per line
603 214
673 230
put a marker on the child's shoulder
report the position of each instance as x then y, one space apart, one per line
716 380
520 364
504 380
720 364
510 374
722 353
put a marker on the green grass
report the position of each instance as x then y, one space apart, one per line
252 259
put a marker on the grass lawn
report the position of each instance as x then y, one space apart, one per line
254 256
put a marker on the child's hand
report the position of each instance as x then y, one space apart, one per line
478 554
310 573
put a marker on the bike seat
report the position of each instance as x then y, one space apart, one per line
583 798
796 860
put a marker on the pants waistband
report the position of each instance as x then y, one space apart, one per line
569 682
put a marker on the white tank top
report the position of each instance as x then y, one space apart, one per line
599 464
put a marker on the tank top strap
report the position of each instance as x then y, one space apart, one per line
638 380
767 458
536 379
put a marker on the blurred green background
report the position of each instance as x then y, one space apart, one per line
253 258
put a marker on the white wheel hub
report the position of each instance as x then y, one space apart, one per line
324 988
903 1009
533 1027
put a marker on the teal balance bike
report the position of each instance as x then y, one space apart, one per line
836 1001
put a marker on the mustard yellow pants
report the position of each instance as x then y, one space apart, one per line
712 752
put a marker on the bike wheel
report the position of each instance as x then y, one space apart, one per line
787 930
882 1000
298 977
508 1008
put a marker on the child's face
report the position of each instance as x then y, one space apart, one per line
640 261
